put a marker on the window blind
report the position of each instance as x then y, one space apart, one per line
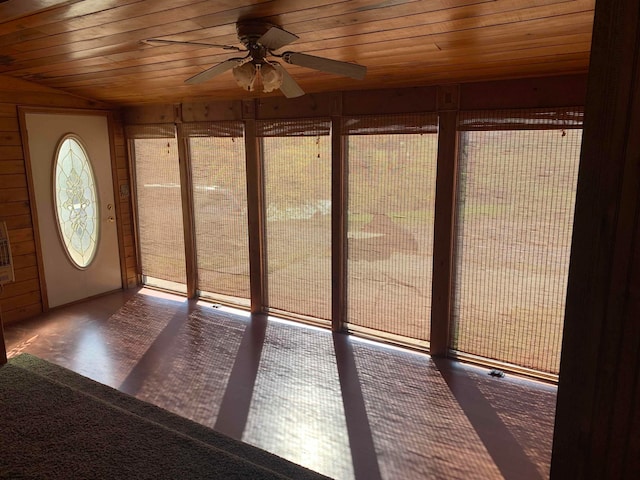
517 181
159 205
297 179
218 182
390 124
391 198
526 119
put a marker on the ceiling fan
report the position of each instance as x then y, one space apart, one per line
260 40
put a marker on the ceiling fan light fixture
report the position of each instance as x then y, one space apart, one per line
272 77
245 75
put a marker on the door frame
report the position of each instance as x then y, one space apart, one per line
22 113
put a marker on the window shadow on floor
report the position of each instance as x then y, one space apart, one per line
363 453
156 358
236 402
504 448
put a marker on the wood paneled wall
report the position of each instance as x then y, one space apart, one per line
23 298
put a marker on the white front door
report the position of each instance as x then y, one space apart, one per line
66 282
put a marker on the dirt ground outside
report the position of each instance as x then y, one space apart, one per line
513 244
513 239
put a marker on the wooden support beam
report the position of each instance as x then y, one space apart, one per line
255 214
444 223
307 106
164 113
211 111
188 222
597 431
552 92
131 155
389 101
338 226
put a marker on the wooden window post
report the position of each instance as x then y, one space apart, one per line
255 213
444 223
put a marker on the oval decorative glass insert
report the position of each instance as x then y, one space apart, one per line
75 201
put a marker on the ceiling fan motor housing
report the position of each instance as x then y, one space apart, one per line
258 53
250 32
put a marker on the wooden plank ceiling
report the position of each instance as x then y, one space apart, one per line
93 48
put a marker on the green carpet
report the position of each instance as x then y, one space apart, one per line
56 424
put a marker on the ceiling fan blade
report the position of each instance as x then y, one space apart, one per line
159 41
213 71
351 70
289 87
276 38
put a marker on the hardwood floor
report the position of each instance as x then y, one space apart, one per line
345 407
